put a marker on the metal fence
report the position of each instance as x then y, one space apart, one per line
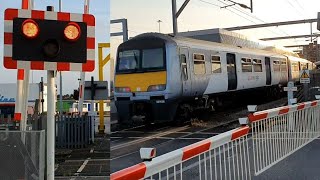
225 156
74 131
279 132
22 155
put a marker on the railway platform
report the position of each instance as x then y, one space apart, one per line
279 143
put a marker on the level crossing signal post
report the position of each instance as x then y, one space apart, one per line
52 41
96 90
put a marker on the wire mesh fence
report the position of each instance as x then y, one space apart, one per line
22 155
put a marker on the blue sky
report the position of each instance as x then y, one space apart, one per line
99 8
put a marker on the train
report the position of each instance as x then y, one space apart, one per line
162 78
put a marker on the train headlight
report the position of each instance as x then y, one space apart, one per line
159 87
122 89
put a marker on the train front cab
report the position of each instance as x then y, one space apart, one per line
141 81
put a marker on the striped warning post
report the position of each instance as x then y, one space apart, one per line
19 98
201 155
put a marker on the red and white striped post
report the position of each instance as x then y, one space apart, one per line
22 87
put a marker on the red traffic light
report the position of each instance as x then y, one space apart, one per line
72 31
30 29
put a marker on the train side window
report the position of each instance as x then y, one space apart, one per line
184 68
215 64
283 65
276 65
304 66
295 67
246 65
257 65
199 64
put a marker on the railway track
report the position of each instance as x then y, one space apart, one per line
125 144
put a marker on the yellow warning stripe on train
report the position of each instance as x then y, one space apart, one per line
140 81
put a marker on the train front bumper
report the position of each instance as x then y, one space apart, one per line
155 110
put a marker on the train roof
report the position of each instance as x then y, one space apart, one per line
235 39
194 43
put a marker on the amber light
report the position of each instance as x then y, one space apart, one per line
30 29
72 32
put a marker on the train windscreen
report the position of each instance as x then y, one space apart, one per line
141 55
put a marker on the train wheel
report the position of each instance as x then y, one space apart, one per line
183 115
148 120
277 93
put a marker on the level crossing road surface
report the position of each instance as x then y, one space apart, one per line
88 163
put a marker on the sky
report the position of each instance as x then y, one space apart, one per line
99 8
143 15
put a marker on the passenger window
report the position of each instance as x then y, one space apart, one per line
199 64
284 65
215 64
276 65
295 67
246 65
304 66
184 69
257 65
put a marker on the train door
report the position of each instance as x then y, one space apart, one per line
268 70
232 71
185 71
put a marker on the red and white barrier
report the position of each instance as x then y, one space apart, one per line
279 132
207 158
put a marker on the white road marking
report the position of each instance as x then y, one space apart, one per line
57 166
83 166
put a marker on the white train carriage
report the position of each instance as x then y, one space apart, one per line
168 76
